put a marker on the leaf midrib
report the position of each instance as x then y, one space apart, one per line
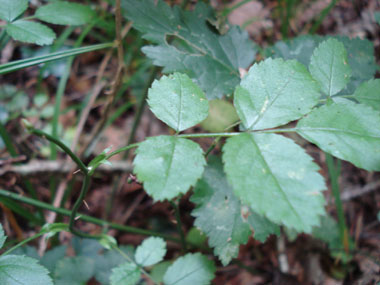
284 194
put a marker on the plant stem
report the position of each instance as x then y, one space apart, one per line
22 242
86 218
179 225
65 148
334 172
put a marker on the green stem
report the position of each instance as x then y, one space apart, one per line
66 149
23 242
322 16
78 203
124 148
334 172
7 140
179 225
212 146
86 218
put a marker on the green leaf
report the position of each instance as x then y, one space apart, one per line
109 260
360 55
275 92
2 236
218 213
11 9
51 257
262 227
185 43
125 274
159 270
276 178
65 13
368 93
348 131
30 32
329 66
73 270
189 270
222 115
168 166
151 251
178 101
98 160
22 270
86 247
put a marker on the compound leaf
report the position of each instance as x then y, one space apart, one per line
347 130
178 101
65 13
368 93
125 274
168 165
11 9
360 55
218 213
16 270
189 270
151 251
185 43
275 92
30 32
276 178
329 66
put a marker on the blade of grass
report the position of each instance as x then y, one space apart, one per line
58 103
322 16
334 172
23 63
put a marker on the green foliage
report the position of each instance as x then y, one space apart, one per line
219 213
368 93
65 13
265 175
275 92
360 55
190 269
151 251
185 43
160 162
74 270
18 270
59 12
98 160
125 274
11 9
329 66
30 32
183 105
345 130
